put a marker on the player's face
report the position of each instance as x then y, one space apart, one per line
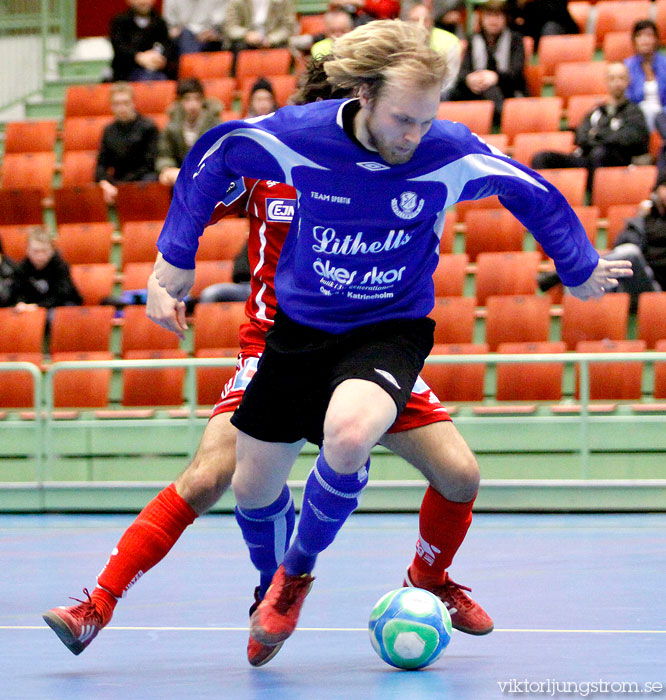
397 119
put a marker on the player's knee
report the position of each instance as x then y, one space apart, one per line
347 444
205 480
460 481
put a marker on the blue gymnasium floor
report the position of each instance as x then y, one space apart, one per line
575 598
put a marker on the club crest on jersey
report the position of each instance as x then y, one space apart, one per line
373 166
280 209
408 206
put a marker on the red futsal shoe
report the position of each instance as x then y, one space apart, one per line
259 654
77 625
276 616
466 614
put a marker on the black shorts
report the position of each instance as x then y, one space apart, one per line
301 366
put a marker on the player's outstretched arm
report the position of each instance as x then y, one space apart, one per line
165 310
176 280
603 279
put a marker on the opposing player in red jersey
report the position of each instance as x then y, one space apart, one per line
423 435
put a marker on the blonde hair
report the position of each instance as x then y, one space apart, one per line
386 52
39 234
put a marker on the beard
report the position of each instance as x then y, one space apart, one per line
389 152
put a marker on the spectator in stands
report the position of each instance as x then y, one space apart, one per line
643 241
447 14
142 49
43 277
129 145
189 117
337 22
492 67
537 18
647 71
260 24
195 25
7 279
238 289
611 134
262 99
441 41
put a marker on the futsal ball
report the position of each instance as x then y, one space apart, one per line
409 628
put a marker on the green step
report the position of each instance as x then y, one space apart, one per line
78 68
40 108
56 89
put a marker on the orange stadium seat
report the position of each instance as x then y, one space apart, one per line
506 273
456 382
81 328
28 170
589 217
223 240
140 241
534 79
140 333
564 47
660 19
212 64
81 388
14 240
486 203
613 380
580 78
312 24
530 381
517 319
211 380
571 182
492 230
652 318
622 185
526 145
498 141
79 204
616 216
85 243
84 133
153 387
22 332
78 168
229 115
94 281
449 276
216 325
284 87
30 137
142 201
618 46
580 11
266 62
135 275
88 100
21 207
155 96
17 387
211 272
224 89
448 233
596 319
477 115
659 391
580 106
530 114
454 317
619 16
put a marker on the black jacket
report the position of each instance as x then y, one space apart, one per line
623 133
49 287
648 232
128 39
7 281
128 151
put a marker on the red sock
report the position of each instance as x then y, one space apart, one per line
443 525
145 543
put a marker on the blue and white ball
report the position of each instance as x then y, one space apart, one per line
409 628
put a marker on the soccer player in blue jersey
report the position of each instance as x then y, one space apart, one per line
374 176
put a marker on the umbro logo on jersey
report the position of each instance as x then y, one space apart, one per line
280 209
373 166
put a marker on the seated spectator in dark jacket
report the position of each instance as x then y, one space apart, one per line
493 64
189 117
142 49
43 277
7 279
611 134
129 145
643 241
537 18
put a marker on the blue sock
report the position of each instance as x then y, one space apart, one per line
267 532
329 499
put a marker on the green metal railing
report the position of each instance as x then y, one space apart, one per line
32 32
45 421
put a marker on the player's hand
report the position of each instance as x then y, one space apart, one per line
175 280
604 278
164 310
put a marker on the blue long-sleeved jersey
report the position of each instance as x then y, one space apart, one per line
364 243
